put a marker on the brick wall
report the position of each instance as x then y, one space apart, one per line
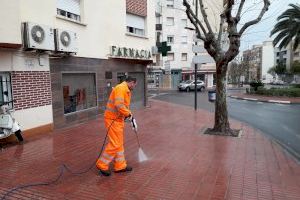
137 7
31 89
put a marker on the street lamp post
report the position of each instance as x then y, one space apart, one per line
196 65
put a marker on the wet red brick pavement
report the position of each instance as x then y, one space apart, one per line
183 163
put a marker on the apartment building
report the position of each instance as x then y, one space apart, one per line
287 56
60 59
253 58
173 27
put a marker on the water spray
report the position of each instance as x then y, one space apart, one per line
141 155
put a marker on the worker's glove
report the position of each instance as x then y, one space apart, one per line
128 118
134 124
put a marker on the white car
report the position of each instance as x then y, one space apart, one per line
190 85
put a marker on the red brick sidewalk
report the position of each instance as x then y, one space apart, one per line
292 100
183 164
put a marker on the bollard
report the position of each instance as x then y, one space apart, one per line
212 95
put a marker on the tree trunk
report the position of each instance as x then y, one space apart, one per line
221 114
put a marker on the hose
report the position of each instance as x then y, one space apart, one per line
63 167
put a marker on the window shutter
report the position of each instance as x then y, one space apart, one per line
72 6
135 21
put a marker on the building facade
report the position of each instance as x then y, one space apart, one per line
253 59
267 61
287 56
173 27
60 59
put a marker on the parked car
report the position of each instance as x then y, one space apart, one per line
190 85
277 82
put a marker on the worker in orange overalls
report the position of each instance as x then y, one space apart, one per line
117 109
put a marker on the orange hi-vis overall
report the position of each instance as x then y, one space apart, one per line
117 109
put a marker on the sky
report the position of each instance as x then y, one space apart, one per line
260 32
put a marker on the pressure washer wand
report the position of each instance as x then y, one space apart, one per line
137 138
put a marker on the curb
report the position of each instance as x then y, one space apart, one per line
261 100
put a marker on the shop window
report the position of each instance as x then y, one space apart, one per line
79 91
5 89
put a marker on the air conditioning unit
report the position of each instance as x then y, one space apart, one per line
65 41
37 36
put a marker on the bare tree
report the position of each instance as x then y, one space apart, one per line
212 43
236 70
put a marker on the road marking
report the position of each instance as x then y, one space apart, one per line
250 99
277 101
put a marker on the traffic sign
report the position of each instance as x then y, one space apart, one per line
198 49
202 59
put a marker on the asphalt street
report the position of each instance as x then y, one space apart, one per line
279 121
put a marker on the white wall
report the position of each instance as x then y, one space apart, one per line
178 30
10 28
34 117
140 42
103 24
267 59
19 61
23 61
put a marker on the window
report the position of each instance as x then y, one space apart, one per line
135 24
79 91
170 3
184 56
170 21
5 89
184 39
170 39
171 56
69 9
184 22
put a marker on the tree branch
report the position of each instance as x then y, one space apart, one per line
228 10
192 14
255 21
195 25
205 17
238 15
222 16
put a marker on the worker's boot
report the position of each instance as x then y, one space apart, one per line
126 169
105 172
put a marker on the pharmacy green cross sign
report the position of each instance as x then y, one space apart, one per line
163 48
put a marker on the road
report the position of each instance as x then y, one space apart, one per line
279 121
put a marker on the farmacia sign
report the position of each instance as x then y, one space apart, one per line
124 52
